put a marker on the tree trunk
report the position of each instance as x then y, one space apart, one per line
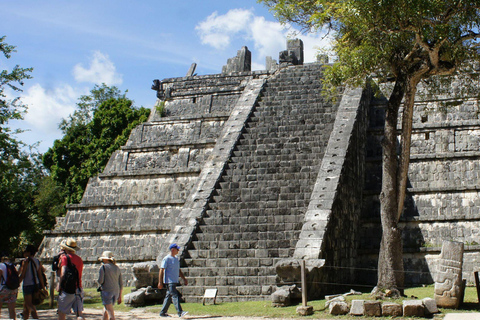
406 141
390 260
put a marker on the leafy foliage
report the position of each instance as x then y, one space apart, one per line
389 37
87 145
20 172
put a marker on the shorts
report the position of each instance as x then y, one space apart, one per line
29 289
70 301
109 297
8 296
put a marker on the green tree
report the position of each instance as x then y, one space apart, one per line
404 42
87 146
87 104
19 171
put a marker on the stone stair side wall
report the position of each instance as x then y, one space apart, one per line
443 197
328 240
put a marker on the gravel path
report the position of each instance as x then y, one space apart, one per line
138 314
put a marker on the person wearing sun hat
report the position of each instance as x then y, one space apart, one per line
111 285
70 301
169 275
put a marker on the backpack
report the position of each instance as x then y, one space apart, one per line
70 281
55 262
13 280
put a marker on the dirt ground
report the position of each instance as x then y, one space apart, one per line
134 314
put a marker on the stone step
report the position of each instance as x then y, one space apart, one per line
248 254
246 244
229 263
229 293
250 235
247 270
269 239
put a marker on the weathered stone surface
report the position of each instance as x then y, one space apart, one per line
357 308
284 296
286 179
242 62
391 309
337 308
146 274
448 279
373 308
305 311
154 295
413 308
281 298
430 306
136 298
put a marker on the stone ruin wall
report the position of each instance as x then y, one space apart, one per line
443 195
132 206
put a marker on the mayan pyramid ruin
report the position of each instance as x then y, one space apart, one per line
252 171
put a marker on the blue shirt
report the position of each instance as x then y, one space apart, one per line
172 269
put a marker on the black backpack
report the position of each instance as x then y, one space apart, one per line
70 281
55 262
13 280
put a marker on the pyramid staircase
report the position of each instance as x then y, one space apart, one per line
257 212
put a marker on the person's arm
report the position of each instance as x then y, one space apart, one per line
160 278
40 275
120 284
23 269
101 275
183 277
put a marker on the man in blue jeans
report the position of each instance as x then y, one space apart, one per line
169 275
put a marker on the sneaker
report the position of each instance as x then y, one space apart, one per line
184 313
164 315
20 316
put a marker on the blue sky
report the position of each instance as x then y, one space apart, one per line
73 45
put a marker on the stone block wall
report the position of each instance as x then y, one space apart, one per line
443 194
131 207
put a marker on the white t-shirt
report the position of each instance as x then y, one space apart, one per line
3 267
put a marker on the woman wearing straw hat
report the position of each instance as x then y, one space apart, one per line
110 281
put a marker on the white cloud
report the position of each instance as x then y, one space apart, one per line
100 70
268 37
46 108
217 30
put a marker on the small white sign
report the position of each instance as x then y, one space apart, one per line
210 293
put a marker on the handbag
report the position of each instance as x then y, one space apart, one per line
39 294
99 289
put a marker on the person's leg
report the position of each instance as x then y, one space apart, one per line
78 304
65 304
27 301
31 307
11 310
176 300
166 302
111 313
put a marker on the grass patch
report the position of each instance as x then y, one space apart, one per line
265 309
